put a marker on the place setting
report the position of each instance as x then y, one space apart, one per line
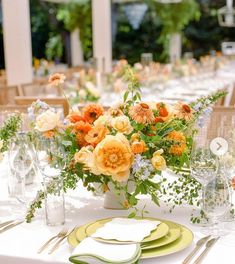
117 141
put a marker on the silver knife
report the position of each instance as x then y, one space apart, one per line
200 243
10 226
209 245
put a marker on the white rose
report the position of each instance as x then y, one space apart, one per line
47 121
122 124
103 120
82 93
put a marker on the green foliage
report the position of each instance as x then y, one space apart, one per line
54 47
9 130
77 14
174 18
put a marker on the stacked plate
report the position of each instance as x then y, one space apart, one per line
167 238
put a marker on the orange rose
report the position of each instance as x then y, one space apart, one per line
96 134
138 147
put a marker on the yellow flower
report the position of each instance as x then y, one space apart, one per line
113 157
85 156
56 79
158 161
178 142
103 120
122 124
139 147
48 120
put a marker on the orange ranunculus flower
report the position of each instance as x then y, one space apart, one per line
163 112
138 147
82 126
178 142
75 117
113 157
96 134
141 114
56 79
159 119
49 134
91 112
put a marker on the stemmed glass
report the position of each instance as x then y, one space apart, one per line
203 166
50 163
216 202
21 162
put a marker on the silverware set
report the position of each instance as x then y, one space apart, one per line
200 243
57 240
8 225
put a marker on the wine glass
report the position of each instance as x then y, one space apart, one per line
21 162
216 202
203 167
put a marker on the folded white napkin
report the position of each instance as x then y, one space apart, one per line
126 229
92 251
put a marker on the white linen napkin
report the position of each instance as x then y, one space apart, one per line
92 251
126 229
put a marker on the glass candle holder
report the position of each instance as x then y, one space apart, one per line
54 200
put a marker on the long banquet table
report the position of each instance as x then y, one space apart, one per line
19 245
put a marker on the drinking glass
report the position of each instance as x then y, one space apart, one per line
21 163
203 167
49 153
216 202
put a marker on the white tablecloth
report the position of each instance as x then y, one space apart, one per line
20 244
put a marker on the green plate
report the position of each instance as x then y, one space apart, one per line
159 232
174 246
181 243
173 234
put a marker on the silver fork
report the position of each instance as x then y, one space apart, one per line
59 241
199 245
61 234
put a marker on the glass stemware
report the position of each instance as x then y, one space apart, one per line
216 202
203 168
21 162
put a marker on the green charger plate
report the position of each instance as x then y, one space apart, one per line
161 231
181 243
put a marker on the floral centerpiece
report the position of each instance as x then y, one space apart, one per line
129 144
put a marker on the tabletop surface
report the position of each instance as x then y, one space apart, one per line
20 244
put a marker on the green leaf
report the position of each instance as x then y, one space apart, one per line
132 215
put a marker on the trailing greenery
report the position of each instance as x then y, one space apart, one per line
9 129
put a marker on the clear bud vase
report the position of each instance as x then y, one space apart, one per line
54 200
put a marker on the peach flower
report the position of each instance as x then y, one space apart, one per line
56 79
122 124
138 147
158 162
91 112
113 157
141 114
178 142
183 111
96 134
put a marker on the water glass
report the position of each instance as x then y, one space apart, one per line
54 198
216 202
20 163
